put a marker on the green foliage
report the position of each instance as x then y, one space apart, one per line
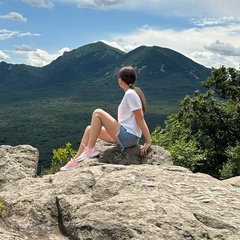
60 157
226 83
204 135
184 152
3 208
232 167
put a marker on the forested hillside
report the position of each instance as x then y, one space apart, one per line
49 106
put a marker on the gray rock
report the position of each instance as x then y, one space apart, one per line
18 162
156 156
103 201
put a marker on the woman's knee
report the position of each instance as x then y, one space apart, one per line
87 129
98 112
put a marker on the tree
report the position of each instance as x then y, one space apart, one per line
205 134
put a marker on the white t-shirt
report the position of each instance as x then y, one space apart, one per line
126 118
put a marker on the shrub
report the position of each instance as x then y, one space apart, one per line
232 167
60 157
3 209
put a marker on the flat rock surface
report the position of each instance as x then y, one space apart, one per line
103 201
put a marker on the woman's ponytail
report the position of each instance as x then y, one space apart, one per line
128 75
142 98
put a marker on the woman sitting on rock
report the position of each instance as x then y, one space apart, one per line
126 131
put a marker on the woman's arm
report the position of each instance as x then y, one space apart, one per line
143 126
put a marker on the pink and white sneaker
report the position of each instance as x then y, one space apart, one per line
87 153
71 164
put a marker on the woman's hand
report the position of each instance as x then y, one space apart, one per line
143 126
144 149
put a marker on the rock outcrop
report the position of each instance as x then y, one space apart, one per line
105 199
17 163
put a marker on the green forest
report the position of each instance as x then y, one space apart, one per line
204 135
49 106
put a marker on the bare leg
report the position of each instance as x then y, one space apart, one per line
84 141
107 133
101 118
103 126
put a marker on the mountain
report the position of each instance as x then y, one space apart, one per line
51 105
72 68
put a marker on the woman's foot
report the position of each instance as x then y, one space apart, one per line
87 153
71 164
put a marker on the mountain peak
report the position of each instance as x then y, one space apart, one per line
65 92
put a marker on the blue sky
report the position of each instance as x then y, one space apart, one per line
35 32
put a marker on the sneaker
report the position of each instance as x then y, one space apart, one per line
87 153
71 164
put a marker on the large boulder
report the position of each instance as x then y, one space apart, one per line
17 162
103 201
156 156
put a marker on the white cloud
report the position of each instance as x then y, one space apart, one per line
39 3
216 21
14 16
101 4
24 47
216 60
199 44
115 45
3 56
183 8
223 49
28 34
6 34
38 57
196 8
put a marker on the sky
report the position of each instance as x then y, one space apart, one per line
36 32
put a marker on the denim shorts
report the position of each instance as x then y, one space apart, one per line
127 139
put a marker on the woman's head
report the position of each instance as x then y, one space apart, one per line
128 75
